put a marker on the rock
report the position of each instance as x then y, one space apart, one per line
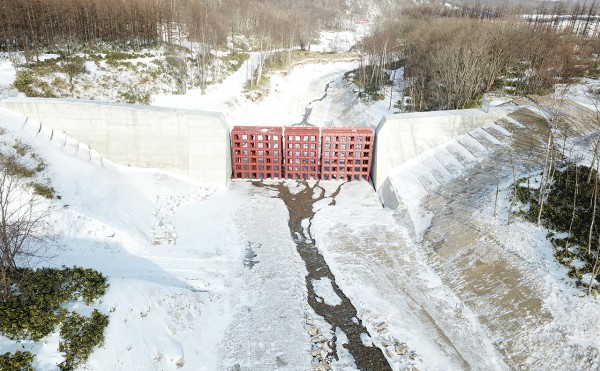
390 352
312 330
321 366
316 352
401 349
381 326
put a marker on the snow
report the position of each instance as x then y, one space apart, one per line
318 87
7 73
384 274
161 296
284 105
336 42
324 290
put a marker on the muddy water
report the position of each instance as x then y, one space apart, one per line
344 315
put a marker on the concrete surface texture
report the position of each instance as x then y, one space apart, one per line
193 143
400 137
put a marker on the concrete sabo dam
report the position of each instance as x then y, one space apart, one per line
198 143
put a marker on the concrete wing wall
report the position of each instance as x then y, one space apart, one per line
404 136
189 142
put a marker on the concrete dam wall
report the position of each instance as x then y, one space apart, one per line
198 144
400 137
193 143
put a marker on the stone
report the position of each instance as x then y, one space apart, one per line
321 366
319 340
312 330
401 349
381 326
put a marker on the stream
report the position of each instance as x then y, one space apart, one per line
344 315
309 107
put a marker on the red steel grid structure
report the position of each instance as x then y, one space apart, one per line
301 152
257 152
346 153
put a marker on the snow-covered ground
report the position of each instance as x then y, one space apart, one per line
320 87
316 90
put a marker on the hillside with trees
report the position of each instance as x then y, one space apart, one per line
452 56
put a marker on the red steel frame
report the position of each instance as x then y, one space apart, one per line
257 152
301 152
346 153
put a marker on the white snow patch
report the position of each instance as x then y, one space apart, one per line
324 290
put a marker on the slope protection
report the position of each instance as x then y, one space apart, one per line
457 196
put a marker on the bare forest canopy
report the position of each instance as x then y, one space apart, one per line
34 24
451 57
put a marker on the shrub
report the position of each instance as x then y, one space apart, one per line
17 361
135 97
15 168
233 61
44 190
34 310
28 83
24 82
24 319
558 216
21 148
56 286
80 335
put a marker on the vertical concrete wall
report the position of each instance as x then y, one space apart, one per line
403 136
192 143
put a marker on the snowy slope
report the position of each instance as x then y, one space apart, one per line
162 297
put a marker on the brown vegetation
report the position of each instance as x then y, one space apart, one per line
453 56
35 25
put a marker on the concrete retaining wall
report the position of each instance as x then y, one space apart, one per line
403 136
192 143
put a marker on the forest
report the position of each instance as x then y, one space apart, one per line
33 25
452 55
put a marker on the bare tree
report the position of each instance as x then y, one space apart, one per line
25 229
